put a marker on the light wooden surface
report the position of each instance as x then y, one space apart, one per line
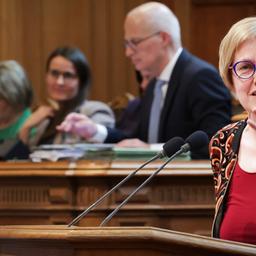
115 241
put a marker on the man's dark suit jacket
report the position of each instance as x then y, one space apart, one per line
196 99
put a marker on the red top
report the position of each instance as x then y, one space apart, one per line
239 222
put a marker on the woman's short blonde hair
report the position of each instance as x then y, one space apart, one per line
240 32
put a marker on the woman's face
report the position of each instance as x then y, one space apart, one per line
245 89
61 79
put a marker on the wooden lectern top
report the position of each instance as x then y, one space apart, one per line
114 241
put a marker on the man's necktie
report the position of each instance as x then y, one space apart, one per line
155 112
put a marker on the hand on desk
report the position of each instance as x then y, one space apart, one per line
78 124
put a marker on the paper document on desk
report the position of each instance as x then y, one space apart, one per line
57 152
55 155
84 146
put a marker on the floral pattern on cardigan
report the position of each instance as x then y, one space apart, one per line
223 148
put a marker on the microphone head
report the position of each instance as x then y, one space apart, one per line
196 140
172 146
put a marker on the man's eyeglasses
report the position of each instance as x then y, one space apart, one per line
243 69
133 43
68 76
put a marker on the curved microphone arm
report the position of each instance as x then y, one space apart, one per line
111 190
107 219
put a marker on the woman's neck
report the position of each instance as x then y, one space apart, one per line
252 121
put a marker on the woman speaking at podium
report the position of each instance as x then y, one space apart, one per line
233 148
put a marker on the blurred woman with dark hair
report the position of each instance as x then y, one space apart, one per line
68 78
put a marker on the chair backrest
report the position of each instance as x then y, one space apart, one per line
119 104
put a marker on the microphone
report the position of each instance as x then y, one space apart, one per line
195 141
169 148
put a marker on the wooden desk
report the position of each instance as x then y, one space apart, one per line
179 198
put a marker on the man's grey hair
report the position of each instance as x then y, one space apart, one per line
159 17
15 87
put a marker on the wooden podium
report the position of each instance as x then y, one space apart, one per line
57 240
180 198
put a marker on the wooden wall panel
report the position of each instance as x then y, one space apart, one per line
210 22
100 48
30 29
20 35
32 56
118 67
182 10
10 19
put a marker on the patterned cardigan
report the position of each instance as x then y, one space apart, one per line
224 147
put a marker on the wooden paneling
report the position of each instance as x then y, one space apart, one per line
21 36
180 198
30 29
211 21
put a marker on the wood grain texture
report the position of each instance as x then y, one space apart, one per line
30 29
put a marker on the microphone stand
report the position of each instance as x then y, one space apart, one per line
159 155
107 219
